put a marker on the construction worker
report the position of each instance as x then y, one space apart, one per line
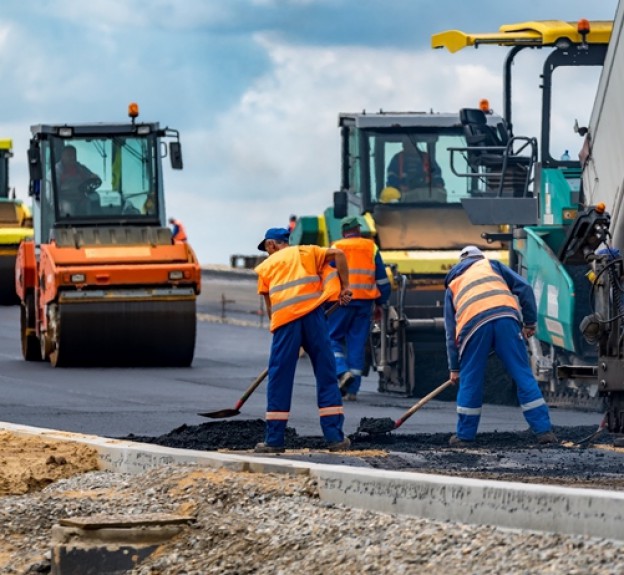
76 183
412 168
481 313
292 222
295 282
349 326
178 232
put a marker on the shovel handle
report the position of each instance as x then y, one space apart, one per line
412 410
262 375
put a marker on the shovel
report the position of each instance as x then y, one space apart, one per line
223 413
377 426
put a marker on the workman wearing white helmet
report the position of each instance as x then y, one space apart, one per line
489 306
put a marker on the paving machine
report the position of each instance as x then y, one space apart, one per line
15 226
102 282
555 231
420 227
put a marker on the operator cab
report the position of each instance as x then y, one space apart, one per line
98 175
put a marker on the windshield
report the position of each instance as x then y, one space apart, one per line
103 178
413 167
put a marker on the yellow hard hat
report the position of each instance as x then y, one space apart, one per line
389 194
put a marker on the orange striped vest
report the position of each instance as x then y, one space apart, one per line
296 284
478 289
360 254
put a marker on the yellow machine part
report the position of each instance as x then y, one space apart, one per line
532 33
432 262
6 144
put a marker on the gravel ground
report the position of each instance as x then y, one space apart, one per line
275 524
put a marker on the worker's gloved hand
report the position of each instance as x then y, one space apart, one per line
345 296
454 376
528 331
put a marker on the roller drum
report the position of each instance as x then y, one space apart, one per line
158 333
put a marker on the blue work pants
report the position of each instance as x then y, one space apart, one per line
310 333
349 327
504 336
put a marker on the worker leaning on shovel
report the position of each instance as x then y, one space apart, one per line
295 282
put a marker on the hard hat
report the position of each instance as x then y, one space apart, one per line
470 252
389 194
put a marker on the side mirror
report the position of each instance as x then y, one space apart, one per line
34 163
340 204
175 153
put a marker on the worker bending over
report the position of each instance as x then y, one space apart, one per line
296 281
481 314
349 326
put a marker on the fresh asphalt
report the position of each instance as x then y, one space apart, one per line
116 402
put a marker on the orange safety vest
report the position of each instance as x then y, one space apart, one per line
298 282
360 254
180 235
479 289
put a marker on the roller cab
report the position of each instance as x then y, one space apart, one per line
102 282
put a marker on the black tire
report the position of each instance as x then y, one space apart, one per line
31 349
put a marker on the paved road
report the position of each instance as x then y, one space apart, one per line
116 402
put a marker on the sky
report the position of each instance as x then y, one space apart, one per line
255 88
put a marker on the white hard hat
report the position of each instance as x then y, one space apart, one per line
470 252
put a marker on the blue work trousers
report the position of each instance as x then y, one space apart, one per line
349 327
504 336
310 333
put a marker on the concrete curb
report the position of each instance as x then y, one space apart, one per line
590 512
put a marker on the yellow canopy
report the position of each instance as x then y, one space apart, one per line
536 33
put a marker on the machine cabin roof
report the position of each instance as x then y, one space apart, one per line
400 120
538 33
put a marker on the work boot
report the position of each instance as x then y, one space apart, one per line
455 441
547 437
264 448
345 379
340 445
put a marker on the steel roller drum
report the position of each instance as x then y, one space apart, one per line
158 333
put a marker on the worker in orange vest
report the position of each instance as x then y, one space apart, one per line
177 230
296 281
349 326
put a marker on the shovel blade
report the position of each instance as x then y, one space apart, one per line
221 414
376 425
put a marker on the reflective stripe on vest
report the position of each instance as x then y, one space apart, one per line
478 289
360 254
295 286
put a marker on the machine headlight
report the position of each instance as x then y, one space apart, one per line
66 132
77 278
143 130
176 275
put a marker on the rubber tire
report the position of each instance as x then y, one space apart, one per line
31 349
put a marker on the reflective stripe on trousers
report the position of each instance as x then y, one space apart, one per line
349 327
309 332
505 337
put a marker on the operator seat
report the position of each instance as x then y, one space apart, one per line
497 156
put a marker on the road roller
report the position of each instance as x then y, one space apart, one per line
102 282
15 225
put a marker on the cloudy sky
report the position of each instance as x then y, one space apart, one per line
255 88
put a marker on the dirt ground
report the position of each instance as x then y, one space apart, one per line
31 463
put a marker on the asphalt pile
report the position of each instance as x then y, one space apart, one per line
503 456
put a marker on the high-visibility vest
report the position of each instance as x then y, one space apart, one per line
297 282
479 289
180 232
360 254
